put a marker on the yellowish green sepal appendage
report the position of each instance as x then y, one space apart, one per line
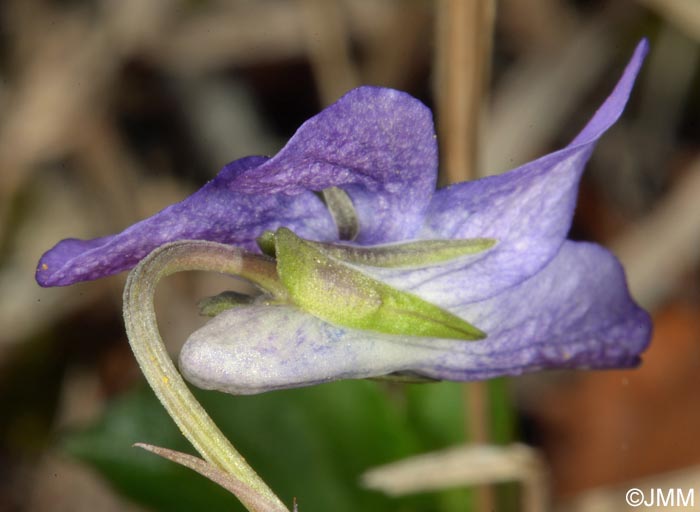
333 291
410 254
266 242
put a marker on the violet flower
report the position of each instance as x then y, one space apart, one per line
541 300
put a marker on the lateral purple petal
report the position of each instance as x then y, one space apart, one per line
216 212
378 145
528 210
575 313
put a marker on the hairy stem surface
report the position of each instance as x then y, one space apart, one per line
158 367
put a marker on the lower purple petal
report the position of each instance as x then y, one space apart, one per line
575 313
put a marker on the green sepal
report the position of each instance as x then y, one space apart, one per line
409 254
266 242
333 291
212 306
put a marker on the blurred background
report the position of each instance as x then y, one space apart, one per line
110 110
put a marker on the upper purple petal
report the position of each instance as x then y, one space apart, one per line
528 210
576 312
378 145
216 212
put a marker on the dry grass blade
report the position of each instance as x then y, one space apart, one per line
232 484
464 35
463 466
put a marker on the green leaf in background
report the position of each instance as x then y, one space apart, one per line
503 420
310 443
436 412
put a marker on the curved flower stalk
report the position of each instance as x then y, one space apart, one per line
539 300
226 466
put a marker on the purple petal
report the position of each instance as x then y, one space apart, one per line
528 210
260 348
575 313
378 145
216 212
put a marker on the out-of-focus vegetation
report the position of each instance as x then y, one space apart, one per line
113 109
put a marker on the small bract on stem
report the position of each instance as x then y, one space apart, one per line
159 370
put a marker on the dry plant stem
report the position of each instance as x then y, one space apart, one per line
464 35
158 367
464 38
477 421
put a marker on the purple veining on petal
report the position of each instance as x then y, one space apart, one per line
575 313
259 348
528 210
378 145
544 302
215 212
